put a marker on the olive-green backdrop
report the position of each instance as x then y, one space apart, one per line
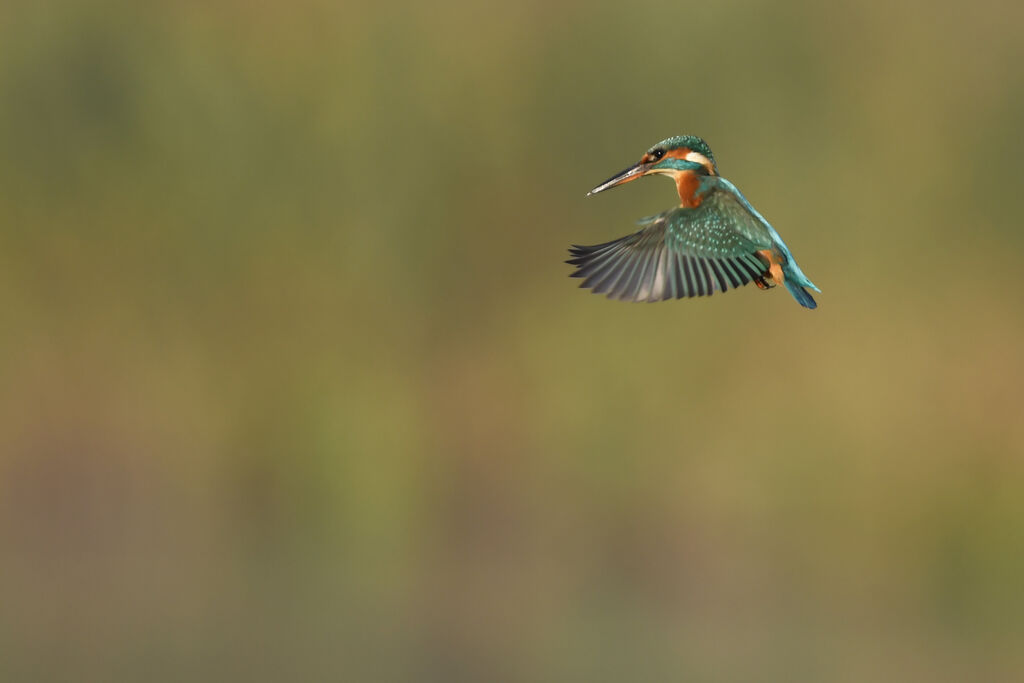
294 385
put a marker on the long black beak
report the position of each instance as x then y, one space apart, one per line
632 173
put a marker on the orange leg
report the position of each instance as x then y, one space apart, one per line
774 259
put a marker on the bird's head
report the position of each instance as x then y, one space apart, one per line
671 157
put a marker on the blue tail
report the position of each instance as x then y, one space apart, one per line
801 295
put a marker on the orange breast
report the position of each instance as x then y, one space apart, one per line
688 184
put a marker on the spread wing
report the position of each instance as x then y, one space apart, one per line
680 253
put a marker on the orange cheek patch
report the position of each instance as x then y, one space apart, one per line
687 154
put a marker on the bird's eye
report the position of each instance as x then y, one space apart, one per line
658 153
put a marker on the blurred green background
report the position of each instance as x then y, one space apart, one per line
296 387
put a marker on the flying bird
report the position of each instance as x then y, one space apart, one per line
713 241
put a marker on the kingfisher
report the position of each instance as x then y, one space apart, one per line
713 241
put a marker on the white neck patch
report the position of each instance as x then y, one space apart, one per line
698 158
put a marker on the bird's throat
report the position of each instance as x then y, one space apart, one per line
688 184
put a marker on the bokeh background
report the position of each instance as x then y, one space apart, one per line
295 386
